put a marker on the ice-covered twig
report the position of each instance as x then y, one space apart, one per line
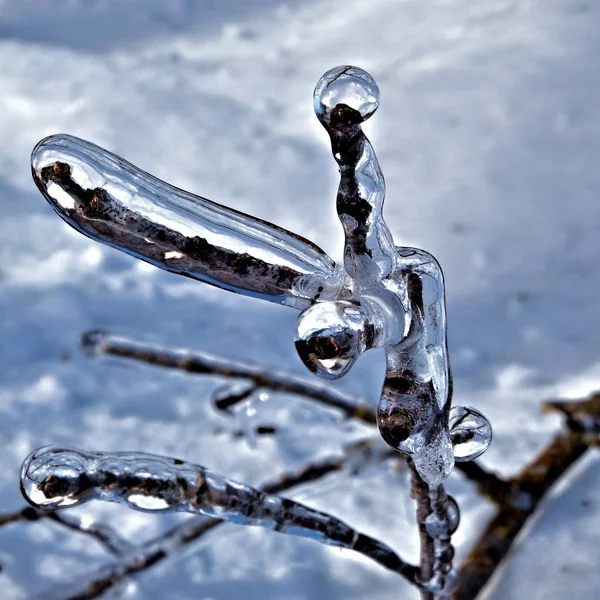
53 478
437 518
384 296
104 534
115 203
202 363
168 544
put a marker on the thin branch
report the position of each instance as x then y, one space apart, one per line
488 484
527 490
104 534
517 498
207 364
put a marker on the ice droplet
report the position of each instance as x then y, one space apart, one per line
346 95
445 525
330 336
470 431
453 515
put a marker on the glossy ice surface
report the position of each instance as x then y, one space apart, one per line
54 478
383 296
115 203
471 433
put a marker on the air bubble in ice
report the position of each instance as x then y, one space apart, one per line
470 431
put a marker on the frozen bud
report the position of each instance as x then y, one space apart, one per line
330 336
345 95
470 431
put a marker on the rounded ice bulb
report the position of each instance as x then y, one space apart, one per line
345 95
52 477
470 431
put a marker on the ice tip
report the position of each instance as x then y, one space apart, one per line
56 140
345 96
46 163
52 477
91 341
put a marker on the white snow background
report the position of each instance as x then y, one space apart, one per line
489 137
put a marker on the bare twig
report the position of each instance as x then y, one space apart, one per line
522 494
488 484
207 364
102 533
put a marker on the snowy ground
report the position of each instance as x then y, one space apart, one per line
488 134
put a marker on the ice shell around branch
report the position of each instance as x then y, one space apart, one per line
470 431
330 337
53 477
113 202
383 296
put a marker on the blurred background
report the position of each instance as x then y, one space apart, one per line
488 135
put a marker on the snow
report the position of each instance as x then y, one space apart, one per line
488 133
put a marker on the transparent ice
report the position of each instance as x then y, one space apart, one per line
470 431
381 296
54 478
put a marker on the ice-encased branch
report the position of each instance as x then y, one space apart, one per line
113 202
53 478
203 363
383 296
146 555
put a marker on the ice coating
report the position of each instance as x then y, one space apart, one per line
398 291
331 336
382 297
471 433
115 203
54 478
441 523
